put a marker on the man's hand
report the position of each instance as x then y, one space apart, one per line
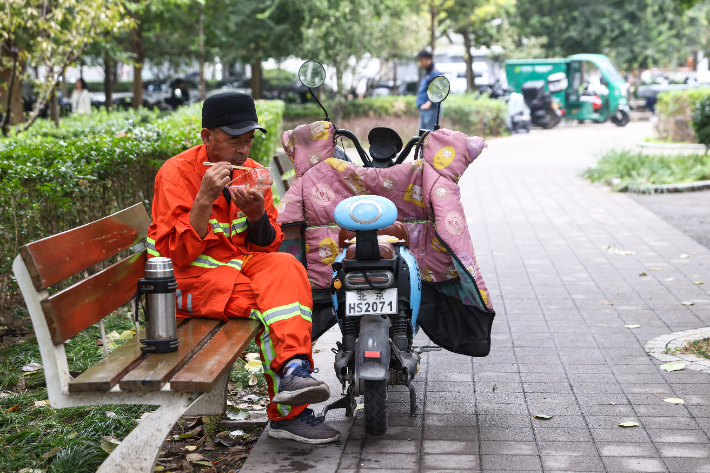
426 106
214 180
251 203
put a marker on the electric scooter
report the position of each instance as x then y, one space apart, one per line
376 286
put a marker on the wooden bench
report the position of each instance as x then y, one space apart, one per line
190 381
281 165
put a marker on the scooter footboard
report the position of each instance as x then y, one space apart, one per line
372 350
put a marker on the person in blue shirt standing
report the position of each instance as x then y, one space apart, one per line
427 112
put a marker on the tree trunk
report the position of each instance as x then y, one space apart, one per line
203 88
138 48
470 77
256 79
432 39
54 109
108 81
11 96
395 89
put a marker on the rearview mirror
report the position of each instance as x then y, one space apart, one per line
311 74
438 89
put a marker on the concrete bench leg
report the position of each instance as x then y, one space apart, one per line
213 403
139 451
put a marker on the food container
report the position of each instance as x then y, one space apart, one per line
258 179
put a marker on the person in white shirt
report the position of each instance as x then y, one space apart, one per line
81 98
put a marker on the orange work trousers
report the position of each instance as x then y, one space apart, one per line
274 288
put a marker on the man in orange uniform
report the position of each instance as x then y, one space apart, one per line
224 251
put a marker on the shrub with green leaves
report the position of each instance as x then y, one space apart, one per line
638 172
701 121
53 179
463 112
675 114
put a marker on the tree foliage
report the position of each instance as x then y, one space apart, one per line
635 33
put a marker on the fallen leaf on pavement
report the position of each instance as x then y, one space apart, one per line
643 274
32 367
674 400
253 380
191 448
628 424
159 468
685 255
203 463
616 251
687 303
608 303
13 408
657 269
632 326
673 366
542 416
254 365
697 283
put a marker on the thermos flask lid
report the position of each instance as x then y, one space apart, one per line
159 267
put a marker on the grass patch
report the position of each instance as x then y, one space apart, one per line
69 440
653 139
700 348
638 172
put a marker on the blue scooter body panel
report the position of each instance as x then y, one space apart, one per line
365 212
374 338
415 292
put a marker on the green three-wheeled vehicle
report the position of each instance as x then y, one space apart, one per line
587 86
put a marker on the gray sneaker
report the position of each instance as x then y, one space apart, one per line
299 388
304 428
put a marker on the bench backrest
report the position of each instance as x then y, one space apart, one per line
56 258
281 164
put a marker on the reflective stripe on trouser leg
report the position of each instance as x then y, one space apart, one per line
189 304
178 296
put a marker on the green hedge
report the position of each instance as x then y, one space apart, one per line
675 111
463 112
52 179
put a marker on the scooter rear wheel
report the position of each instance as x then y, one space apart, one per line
376 407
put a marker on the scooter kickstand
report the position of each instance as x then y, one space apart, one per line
412 401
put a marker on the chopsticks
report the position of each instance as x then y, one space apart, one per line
207 163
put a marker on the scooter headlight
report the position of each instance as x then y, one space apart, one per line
380 279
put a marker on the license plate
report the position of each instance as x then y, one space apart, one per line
371 302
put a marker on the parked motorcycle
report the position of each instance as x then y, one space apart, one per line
544 108
376 287
518 120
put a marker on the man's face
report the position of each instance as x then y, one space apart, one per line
425 62
222 146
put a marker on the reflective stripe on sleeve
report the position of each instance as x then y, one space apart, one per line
306 313
204 261
239 225
150 244
218 227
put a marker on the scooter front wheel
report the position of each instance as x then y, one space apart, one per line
376 407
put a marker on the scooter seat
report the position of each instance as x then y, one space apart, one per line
386 250
397 230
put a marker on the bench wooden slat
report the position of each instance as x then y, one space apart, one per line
56 258
156 370
76 308
216 359
104 375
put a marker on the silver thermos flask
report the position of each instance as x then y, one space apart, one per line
159 287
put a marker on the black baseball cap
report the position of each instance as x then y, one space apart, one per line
424 53
233 112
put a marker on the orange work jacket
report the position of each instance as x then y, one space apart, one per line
206 268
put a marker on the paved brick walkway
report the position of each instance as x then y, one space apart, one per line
560 347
